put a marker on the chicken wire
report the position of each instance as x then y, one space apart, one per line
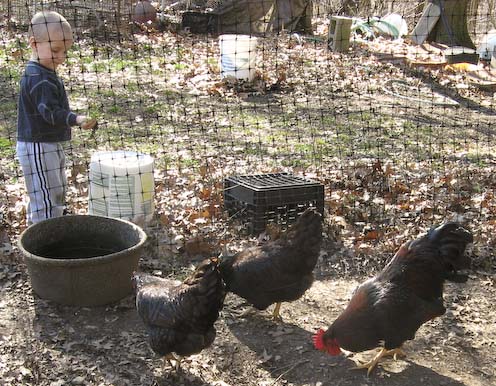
396 134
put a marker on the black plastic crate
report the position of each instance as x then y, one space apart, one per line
271 198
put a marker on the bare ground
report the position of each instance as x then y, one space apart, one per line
46 344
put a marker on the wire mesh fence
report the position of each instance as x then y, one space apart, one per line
389 104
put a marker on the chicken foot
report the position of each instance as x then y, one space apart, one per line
173 357
383 353
248 311
251 310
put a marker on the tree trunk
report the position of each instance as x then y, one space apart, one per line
348 7
451 28
472 13
419 7
351 7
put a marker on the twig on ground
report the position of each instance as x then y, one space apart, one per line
291 367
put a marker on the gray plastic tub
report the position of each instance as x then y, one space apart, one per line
82 260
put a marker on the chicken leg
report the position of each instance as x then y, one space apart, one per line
383 353
173 357
275 314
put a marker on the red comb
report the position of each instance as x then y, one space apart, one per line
318 340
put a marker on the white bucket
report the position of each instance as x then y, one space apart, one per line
121 185
487 45
238 56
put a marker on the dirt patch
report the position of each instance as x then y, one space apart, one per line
47 344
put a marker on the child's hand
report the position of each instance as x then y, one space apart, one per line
86 123
89 124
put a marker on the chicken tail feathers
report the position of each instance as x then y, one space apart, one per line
452 240
139 280
206 274
306 233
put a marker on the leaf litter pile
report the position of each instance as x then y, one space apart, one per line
393 162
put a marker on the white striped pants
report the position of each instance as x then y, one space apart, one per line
43 165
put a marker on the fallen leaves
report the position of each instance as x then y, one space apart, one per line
197 246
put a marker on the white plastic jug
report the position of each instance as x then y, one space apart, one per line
238 56
121 185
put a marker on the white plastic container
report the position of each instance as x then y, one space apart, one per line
238 56
392 25
487 45
121 185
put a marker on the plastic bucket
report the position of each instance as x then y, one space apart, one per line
121 185
238 56
487 45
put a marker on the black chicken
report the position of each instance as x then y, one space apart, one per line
179 316
392 306
278 271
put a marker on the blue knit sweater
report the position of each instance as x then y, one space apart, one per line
43 109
